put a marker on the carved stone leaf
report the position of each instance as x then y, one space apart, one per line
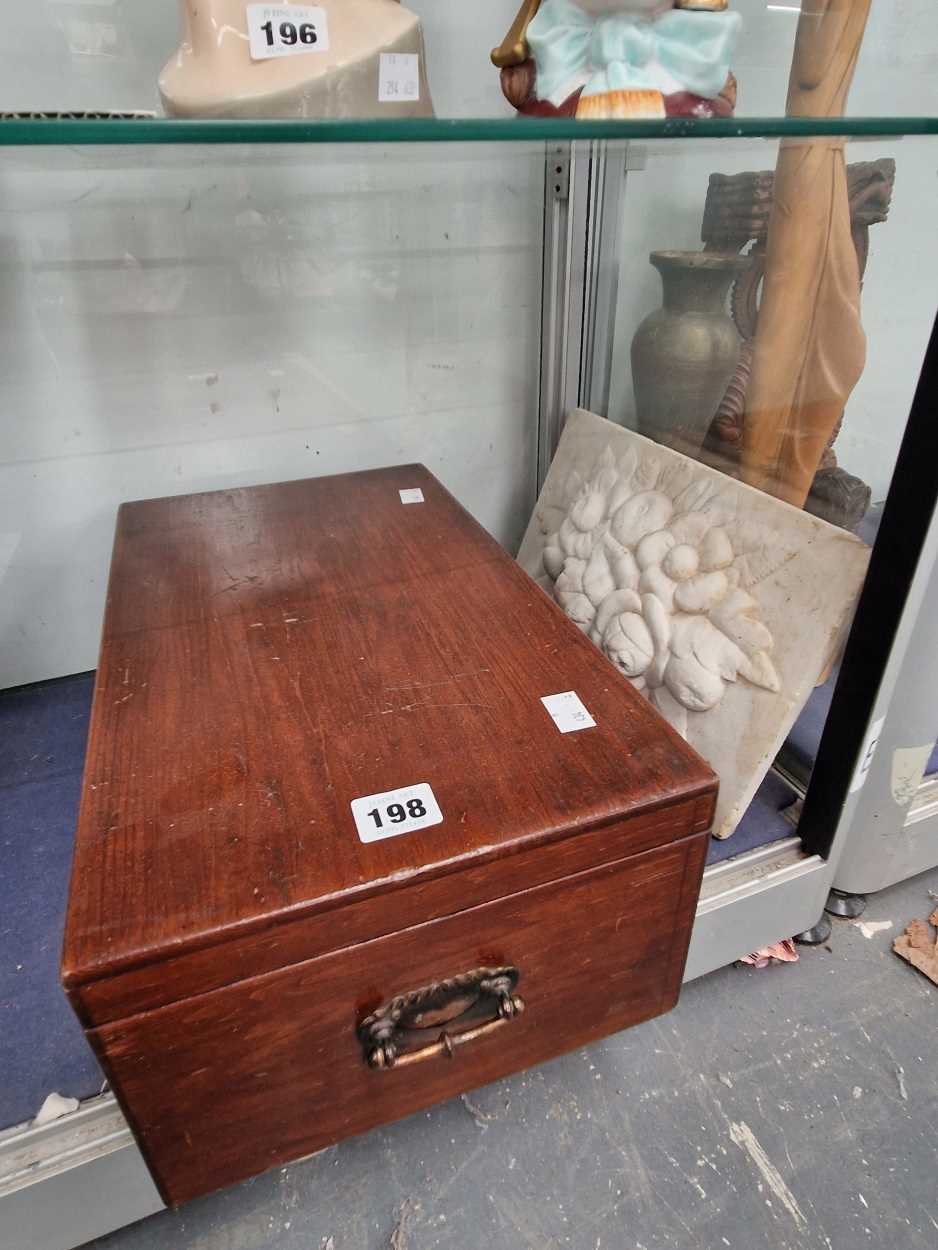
760 670
553 559
550 518
693 497
645 475
677 477
571 579
689 527
598 581
737 603
606 475
572 486
577 607
654 581
683 628
701 593
751 635
627 463
715 651
716 550
573 541
589 509
759 552
625 572
621 492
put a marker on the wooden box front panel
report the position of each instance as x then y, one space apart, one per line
228 1084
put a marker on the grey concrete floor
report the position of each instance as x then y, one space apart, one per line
793 1107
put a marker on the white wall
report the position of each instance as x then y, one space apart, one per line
897 75
186 319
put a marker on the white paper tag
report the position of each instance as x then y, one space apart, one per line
866 755
412 495
386 815
398 77
568 712
286 30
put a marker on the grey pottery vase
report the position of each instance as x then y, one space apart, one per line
684 353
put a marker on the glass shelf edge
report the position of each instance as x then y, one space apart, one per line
68 132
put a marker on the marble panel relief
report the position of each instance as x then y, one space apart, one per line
697 588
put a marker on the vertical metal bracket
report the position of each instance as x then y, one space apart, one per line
558 172
565 207
608 167
584 185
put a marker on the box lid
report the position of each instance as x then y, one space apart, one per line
272 655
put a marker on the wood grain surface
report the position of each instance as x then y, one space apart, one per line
251 1076
272 653
290 941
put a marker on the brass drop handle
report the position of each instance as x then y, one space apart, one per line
408 1028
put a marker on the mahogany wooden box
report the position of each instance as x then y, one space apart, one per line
257 979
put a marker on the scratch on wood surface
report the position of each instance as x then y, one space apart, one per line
414 707
425 685
743 1136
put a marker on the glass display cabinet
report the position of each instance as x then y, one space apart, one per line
190 305
894 831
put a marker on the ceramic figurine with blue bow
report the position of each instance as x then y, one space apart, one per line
620 58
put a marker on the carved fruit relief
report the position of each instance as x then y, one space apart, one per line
653 562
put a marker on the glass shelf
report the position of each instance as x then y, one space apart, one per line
71 132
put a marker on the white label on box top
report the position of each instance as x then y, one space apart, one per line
398 77
386 815
568 712
286 30
412 495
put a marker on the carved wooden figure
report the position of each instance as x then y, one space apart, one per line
737 214
809 348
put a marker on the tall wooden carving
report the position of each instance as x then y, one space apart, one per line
810 347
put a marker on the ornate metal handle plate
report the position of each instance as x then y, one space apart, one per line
437 1018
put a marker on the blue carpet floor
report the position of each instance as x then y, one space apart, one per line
42 746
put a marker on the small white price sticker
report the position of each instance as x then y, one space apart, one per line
286 29
567 712
865 761
386 815
398 77
412 495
